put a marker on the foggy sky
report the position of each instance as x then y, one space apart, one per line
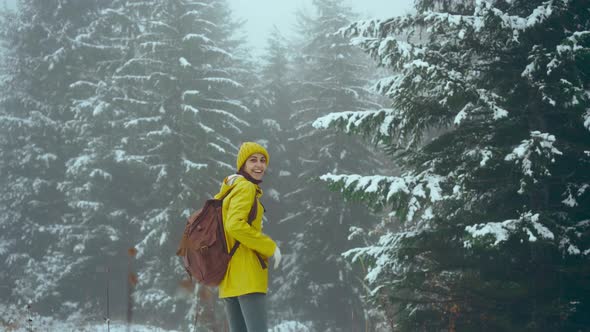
10 3
262 15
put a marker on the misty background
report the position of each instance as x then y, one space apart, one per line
262 15
429 160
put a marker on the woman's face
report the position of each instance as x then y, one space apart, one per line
255 166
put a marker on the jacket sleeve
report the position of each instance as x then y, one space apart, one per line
236 222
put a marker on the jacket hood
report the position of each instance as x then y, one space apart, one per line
230 182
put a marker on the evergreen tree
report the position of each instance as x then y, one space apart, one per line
102 183
274 106
206 119
271 106
277 75
318 286
7 223
117 121
39 234
495 210
164 120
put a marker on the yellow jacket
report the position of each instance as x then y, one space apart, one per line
244 273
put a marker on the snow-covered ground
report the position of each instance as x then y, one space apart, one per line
18 319
53 325
76 327
15 318
50 325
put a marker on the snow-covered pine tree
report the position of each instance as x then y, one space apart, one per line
276 77
318 286
271 106
8 224
275 107
165 124
39 235
102 187
496 209
8 21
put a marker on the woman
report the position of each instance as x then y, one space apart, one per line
245 284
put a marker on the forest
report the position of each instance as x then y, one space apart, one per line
428 172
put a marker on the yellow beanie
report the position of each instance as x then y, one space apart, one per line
247 149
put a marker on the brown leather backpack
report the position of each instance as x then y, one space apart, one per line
203 245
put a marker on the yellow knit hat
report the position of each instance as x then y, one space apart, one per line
247 149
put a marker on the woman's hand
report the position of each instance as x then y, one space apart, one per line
276 257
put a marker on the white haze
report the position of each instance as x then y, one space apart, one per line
262 15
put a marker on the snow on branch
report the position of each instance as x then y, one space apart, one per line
565 93
374 29
6 246
83 85
452 20
534 155
139 121
190 93
208 25
121 156
232 104
226 115
381 254
494 233
184 62
370 33
200 4
87 207
193 13
567 243
414 193
45 275
216 50
163 25
207 129
165 131
491 101
540 13
359 121
389 50
488 104
38 117
154 221
6 121
222 81
191 165
131 79
196 37
576 40
571 194
80 164
152 45
137 62
189 109
355 182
